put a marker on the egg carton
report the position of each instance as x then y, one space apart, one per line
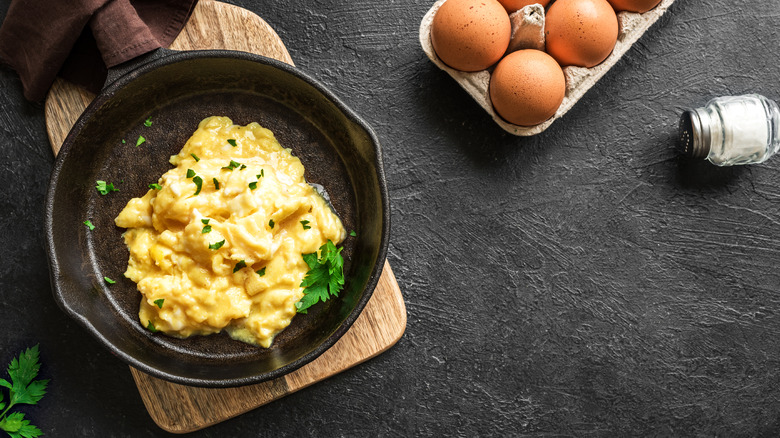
578 79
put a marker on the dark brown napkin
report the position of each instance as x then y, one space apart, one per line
80 39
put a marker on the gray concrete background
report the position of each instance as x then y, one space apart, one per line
582 282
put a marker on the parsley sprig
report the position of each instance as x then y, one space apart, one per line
22 390
325 277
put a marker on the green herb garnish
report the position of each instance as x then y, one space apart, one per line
261 272
216 184
22 390
148 122
261 174
123 141
89 225
206 229
109 281
352 233
205 221
325 277
105 188
233 165
217 245
253 185
141 140
195 157
239 266
305 225
243 166
271 223
151 327
190 173
159 302
155 186
198 183
232 142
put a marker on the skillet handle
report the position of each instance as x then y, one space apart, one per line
126 67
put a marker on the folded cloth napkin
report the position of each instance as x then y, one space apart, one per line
81 39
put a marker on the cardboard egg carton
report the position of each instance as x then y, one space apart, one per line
525 24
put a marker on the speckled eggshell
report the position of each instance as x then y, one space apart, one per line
581 32
516 5
470 35
527 87
634 5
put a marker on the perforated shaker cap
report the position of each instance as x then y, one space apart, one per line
695 136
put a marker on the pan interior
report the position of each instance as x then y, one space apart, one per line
336 150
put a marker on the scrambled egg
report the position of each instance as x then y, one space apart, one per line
219 244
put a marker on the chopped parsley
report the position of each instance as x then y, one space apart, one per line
148 122
261 272
109 281
205 221
253 185
233 165
123 141
239 266
232 142
243 166
216 184
141 140
151 327
159 302
195 157
206 229
352 233
105 188
89 225
190 173
261 174
155 186
325 277
271 223
198 183
217 245
305 224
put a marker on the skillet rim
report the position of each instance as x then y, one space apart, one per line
171 57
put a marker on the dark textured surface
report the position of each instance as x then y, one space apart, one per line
582 282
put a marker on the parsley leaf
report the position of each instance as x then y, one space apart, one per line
271 223
205 221
89 225
148 122
217 245
243 166
22 390
159 302
109 281
141 140
232 142
253 185
190 173
352 233
306 225
155 186
105 188
261 174
233 165
216 184
206 229
195 157
261 272
239 266
198 183
151 327
123 141
325 277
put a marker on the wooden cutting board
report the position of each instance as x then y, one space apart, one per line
178 408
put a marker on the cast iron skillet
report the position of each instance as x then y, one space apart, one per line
338 149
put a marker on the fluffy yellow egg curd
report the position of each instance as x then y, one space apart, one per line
218 244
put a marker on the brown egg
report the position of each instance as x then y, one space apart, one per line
527 87
470 35
514 5
581 32
634 5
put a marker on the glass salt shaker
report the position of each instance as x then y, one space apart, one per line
732 130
